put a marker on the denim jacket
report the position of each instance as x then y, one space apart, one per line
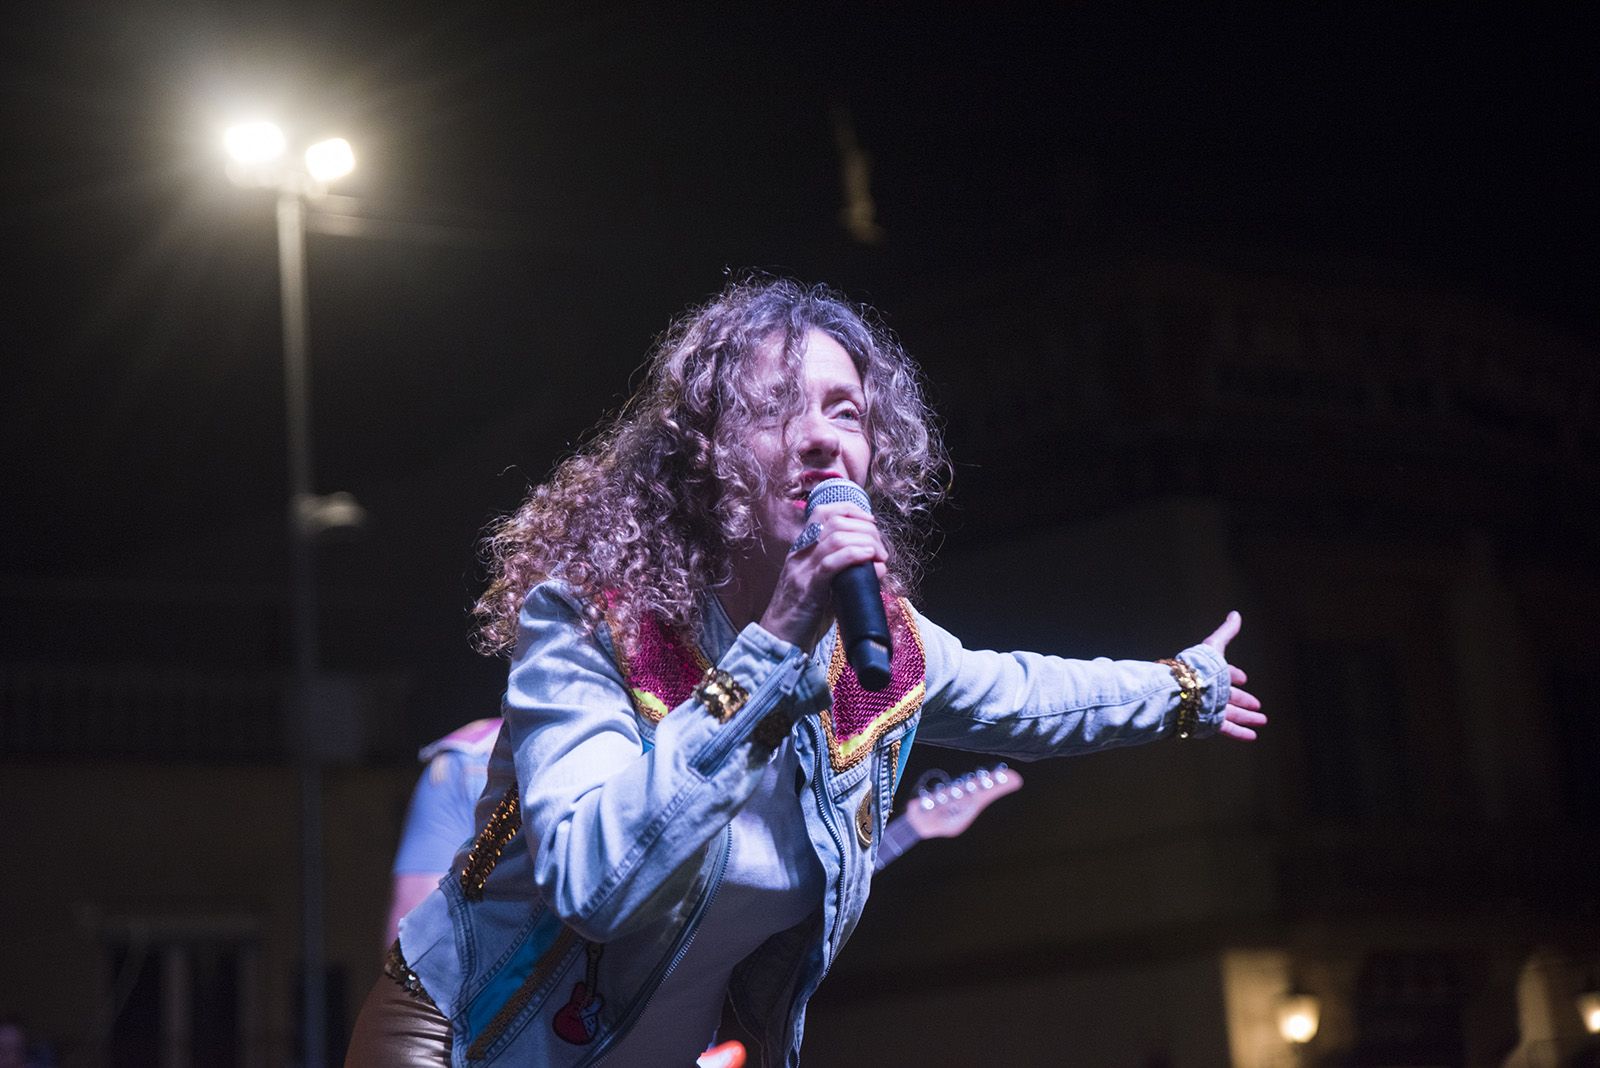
604 835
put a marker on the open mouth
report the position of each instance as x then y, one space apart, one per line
809 480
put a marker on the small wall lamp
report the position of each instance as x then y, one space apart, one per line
1589 1009
1298 1017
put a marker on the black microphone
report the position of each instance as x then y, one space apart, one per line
863 626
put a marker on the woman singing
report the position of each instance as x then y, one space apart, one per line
682 809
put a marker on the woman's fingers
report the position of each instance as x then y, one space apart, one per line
1247 716
834 518
1243 713
1219 638
839 537
1239 697
1233 730
1242 716
844 539
845 556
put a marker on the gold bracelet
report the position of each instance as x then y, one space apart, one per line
721 693
1188 696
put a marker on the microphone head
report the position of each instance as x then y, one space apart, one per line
837 491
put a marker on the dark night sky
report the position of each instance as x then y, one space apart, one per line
592 173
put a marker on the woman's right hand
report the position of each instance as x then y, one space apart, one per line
802 604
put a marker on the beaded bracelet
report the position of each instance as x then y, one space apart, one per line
1189 687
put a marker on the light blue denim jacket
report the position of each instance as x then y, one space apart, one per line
624 824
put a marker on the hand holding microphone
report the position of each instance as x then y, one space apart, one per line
813 584
857 601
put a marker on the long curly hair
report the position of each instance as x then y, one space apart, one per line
654 508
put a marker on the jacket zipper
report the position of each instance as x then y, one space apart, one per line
659 980
819 746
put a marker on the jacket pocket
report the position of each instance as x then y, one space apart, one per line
545 963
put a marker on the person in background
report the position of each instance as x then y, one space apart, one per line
439 818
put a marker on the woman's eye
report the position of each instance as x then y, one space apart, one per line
848 412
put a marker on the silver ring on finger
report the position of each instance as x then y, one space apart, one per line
808 537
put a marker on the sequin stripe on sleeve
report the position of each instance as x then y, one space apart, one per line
663 669
504 823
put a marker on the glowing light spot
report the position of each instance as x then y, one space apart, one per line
254 143
330 159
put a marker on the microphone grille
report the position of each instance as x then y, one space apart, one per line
837 491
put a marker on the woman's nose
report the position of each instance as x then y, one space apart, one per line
816 434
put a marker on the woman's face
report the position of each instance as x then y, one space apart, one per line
827 439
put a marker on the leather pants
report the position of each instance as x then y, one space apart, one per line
397 1029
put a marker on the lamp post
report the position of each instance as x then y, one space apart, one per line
257 158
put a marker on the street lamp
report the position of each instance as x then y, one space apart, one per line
258 158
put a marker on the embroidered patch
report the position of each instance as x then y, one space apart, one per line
578 1021
859 717
864 821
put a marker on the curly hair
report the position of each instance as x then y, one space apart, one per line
653 510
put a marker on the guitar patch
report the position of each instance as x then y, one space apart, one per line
578 1021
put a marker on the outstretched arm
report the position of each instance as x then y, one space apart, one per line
1029 705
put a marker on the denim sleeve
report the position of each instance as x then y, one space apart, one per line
610 820
1029 705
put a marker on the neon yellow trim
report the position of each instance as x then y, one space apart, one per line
868 735
651 705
